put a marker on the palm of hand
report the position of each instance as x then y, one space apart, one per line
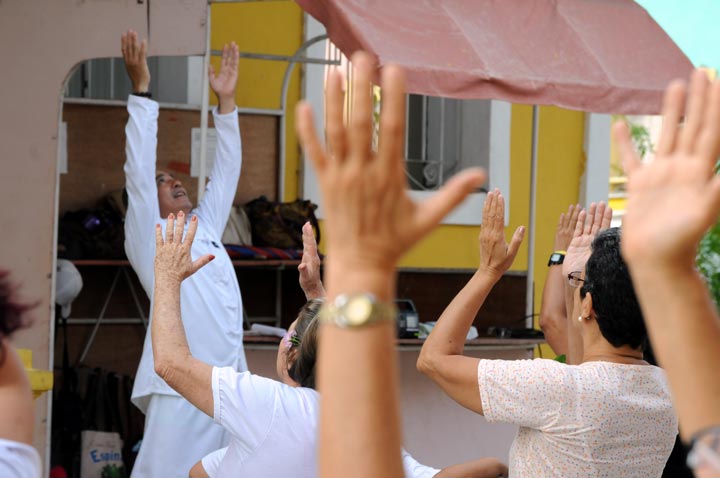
578 253
224 83
665 208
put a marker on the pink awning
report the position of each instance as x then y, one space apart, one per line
605 56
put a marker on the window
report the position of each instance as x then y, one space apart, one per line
445 136
174 79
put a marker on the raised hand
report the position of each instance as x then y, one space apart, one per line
676 198
173 261
371 220
566 227
224 83
309 267
135 56
597 218
496 255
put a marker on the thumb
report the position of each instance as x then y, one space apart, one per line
515 242
201 262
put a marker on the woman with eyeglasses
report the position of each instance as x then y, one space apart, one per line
607 413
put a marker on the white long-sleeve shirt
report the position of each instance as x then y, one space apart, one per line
211 304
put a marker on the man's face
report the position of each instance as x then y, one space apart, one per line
172 196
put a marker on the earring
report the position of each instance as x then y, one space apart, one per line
580 317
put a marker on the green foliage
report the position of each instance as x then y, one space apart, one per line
113 471
708 258
641 138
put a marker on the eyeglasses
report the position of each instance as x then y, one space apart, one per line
575 279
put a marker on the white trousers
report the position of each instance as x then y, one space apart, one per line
177 435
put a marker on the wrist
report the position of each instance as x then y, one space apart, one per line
351 277
490 274
226 104
141 87
164 281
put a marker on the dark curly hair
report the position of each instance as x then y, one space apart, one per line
616 307
303 368
12 312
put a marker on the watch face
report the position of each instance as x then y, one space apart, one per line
358 310
555 257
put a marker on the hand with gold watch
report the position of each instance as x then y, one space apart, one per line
370 221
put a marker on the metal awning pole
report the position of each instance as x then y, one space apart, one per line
204 109
530 285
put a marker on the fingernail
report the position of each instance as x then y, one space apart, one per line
171 216
181 214
212 257
194 219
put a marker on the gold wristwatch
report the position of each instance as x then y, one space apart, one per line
356 310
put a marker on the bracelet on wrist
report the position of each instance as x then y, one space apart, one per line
142 94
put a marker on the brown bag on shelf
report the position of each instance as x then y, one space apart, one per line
279 224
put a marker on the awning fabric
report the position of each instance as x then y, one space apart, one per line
605 56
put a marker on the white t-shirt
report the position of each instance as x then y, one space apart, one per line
597 419
273 426
18 460
413 469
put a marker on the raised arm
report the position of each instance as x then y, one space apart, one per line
223 179
309 268
589 224
671 204
371 221
553 316
174 363
143 211
441 357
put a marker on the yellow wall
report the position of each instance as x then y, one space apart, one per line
264 27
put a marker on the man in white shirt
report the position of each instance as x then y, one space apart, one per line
176 433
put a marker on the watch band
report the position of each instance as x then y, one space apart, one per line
556 258
356 310
142 94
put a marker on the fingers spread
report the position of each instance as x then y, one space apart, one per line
598 218
432 210
179 227
589 218
201 262
392 123
308 137
580 224
575 213
360 132
335 121
673 105
499 214
170 228
158 236
709 137
515 242
695 111
488 209
192 229
606 219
